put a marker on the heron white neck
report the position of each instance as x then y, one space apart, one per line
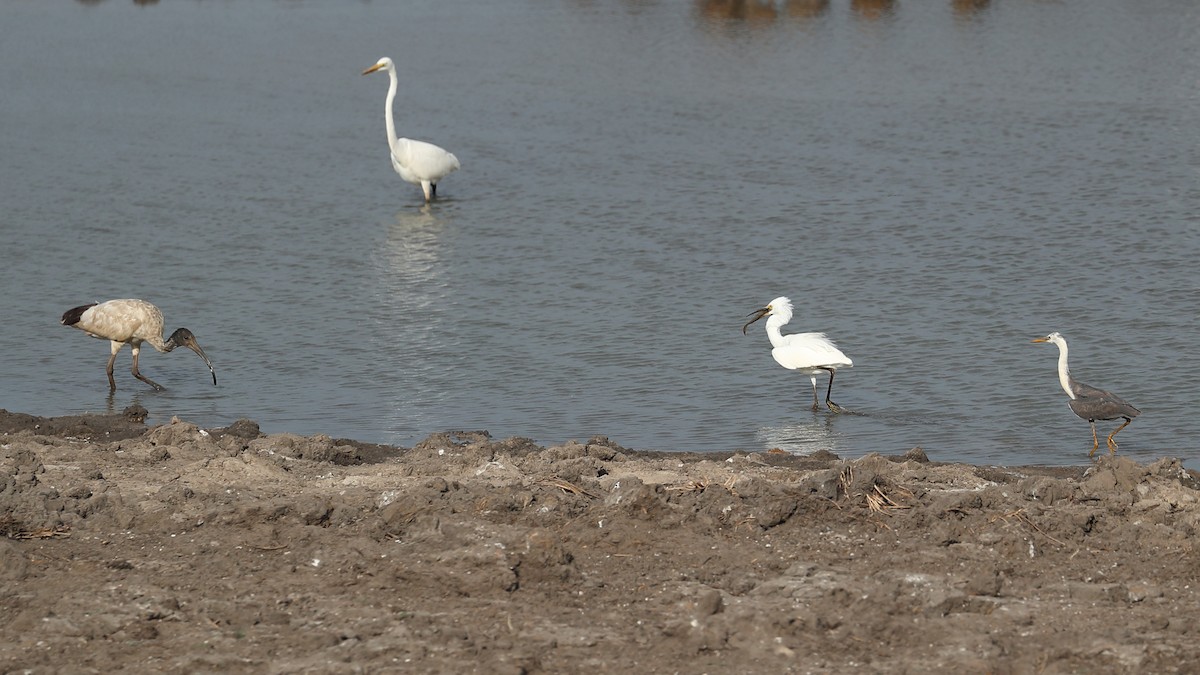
391 96
1064 372
774 323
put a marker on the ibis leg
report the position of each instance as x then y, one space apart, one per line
833 407
112 384
1095 439
1112 444
138 375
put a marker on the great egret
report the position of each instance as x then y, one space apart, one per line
416 161
1089 402
809 353
131 322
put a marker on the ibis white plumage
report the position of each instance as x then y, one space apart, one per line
416 161
131 322
808 353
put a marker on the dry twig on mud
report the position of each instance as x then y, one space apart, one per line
1021 517
276 547
703 484
691 486
567 486
845 479
879 501
58 531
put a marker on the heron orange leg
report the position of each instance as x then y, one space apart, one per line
1095 439
136 351
833 407
1112 444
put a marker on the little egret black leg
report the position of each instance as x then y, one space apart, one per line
816 406
833 407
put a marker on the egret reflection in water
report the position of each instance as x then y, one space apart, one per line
803 438
409 280
411 257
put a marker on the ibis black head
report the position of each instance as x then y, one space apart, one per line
183 337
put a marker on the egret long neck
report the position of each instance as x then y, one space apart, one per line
773 326
391 96
1064 373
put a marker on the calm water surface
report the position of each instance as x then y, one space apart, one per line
933 183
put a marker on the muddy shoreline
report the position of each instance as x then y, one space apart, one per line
180 549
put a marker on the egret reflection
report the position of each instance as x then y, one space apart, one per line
411 269
804 438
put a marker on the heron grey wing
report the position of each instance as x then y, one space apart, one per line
1101 405
1088 391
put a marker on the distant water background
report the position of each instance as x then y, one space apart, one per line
934 183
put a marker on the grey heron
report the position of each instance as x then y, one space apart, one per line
808 353
416 161
1087 401
131 322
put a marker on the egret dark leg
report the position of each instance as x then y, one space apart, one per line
138 375
833 407
433 189
816 406
1112 444
1095 439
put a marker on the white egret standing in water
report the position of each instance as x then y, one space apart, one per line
416 161
809 353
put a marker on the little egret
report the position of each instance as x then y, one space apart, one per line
131 322
1089 402
809 353
416 161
